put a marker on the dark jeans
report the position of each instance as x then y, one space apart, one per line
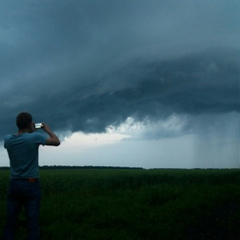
25 194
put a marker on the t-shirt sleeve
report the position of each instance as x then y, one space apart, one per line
40 139
5 141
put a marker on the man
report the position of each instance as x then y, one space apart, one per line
24 188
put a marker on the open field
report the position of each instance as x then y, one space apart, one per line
136 204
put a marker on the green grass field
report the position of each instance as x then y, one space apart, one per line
136 204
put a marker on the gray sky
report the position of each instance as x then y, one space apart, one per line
126 83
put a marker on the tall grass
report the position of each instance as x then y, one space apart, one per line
136 204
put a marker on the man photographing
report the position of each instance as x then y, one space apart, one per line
24 188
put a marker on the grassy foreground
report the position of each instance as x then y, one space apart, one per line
136 204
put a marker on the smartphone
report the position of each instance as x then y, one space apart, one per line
38 125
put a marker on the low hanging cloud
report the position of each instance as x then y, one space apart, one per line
199 84
87 65
196 84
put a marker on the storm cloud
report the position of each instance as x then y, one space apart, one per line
90 65
201 83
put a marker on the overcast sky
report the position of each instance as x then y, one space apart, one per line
138 83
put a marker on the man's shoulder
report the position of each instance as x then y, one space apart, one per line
27 136
39 137
31 134
8 136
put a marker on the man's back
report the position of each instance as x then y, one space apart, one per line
23 153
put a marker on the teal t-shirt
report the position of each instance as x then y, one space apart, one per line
23 154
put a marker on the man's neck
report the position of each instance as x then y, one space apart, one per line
25 130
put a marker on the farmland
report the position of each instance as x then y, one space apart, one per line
135 204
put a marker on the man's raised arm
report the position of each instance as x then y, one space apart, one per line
53 140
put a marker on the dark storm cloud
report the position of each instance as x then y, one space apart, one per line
198 84
85 65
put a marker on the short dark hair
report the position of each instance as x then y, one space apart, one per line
23 120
